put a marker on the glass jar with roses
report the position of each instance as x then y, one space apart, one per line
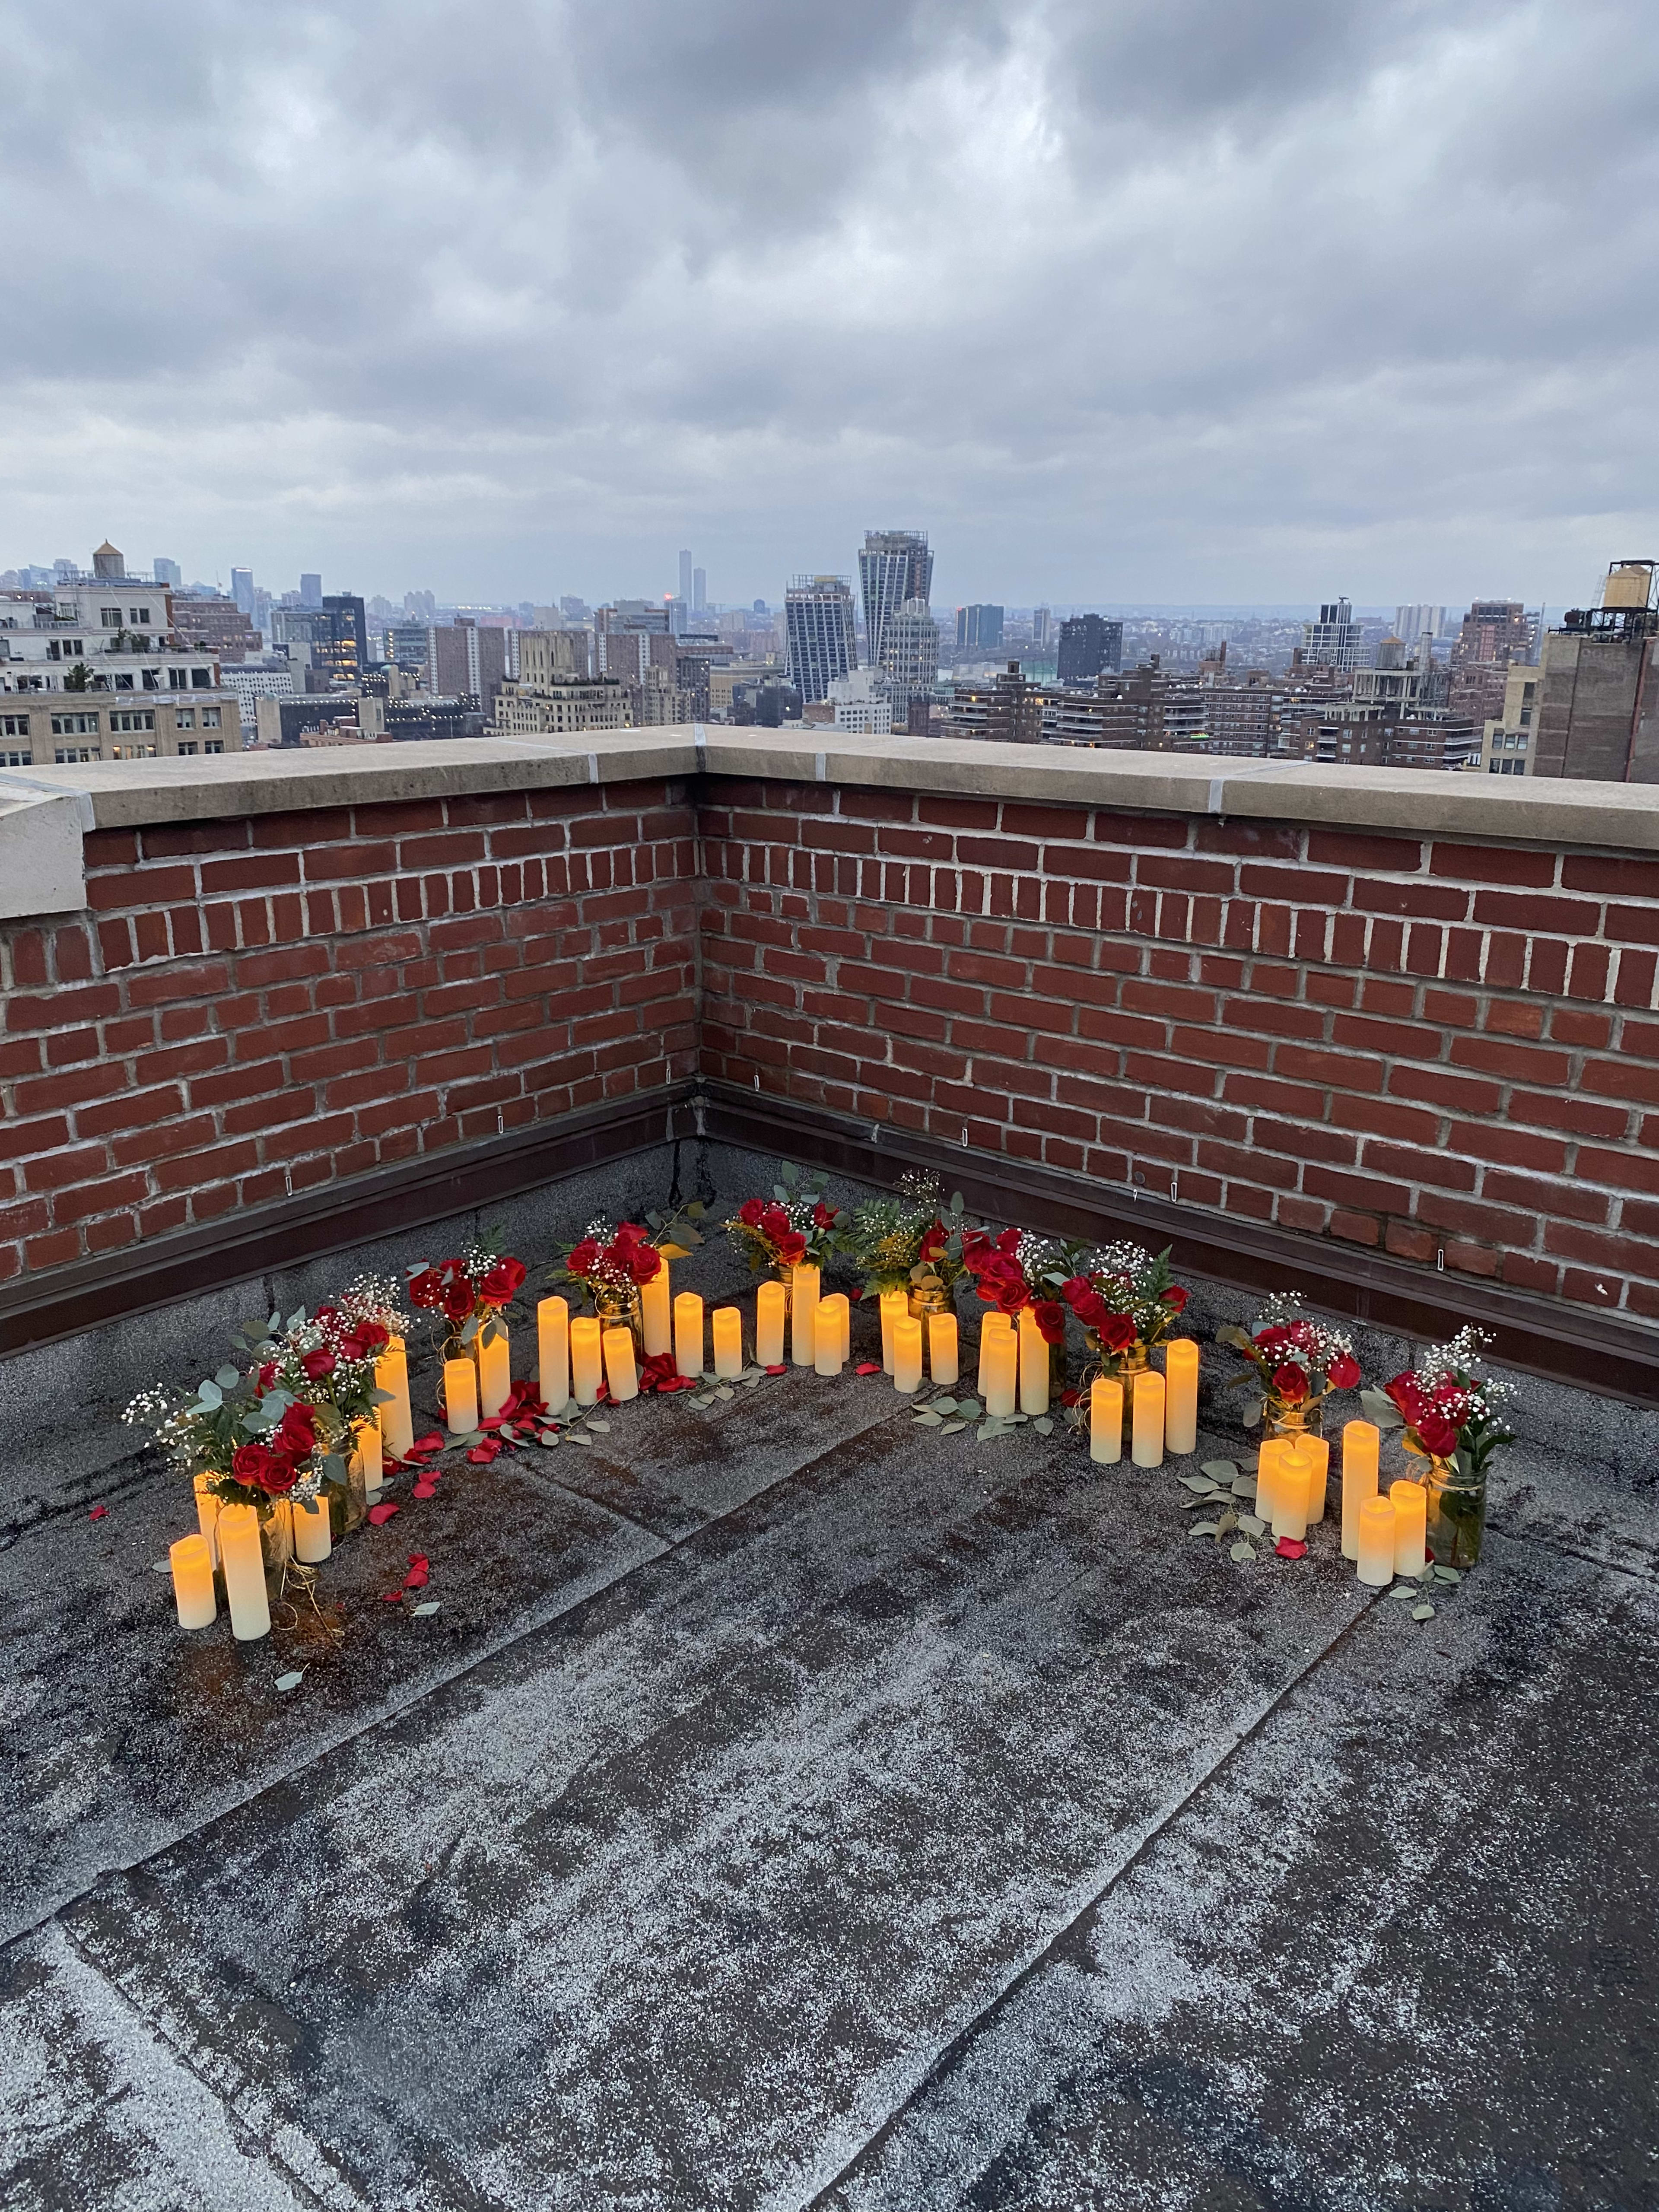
1128 1302
911 1242
468 1295
1294 1364
796 1227
1450 1410
609 1266
1016 1272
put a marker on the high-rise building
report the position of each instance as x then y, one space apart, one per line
166 572
217 625
464 661
1089 645
862 704
1412 622
109 563
1494 634
406 645
910 657
894 565
820 627
574 610
1042 622
1598 692
979 629
699 590
685 576
1335 641
241 590
339 638
311 594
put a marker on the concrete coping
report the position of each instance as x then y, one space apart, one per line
1413 802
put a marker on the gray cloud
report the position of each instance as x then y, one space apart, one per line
1204 299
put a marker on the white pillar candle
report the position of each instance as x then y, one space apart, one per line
1361 1441
1294 1470
495 1371
460 1396
728 1323
804 1286
191 1561
688 1334
999 1370
1106 1420
244 1573
1147 1429
397 1422
586 1360
313 1541
1033 1365
827 1340
992 1327
1411 1514
840 1306
619 1370
553 1353
1181 1396
207 1515
1374 1541
656 1313
771 1308
906 1354
1319 1451
943 1356
367 1456
895 1305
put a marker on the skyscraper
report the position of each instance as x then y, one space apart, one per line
1410 622
311 591
166 572
1334 640
699 590
1495 634
1088 644
979 629
823 642
894 565
241 590
685 577
910 649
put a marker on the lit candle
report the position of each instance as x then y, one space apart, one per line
688 1332
1293 1475
1361 1441
1148 1433
1106 1420
1266 1472
244 1573
1319 1451
460 1396
839 1305
993 1325
906 1354
728 1340
586 1360
1033 1365
895 1306
804 1286
366 1456
397 1422
620 1372
999 1368
311 1540
553 1353
1411 1514
1181 1396
495 1371
771 1307
207 1515
1374 1541
943 1356
656 1309
827 1339
191 1561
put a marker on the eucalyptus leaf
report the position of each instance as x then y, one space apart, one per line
989 1429
1241 1550
228 1377
1251 1415
723 1390
1380 1409
210 1395
595 1422
577 1437
1406 1596
1201 1503
1253 1525
754 1376
274 1323
1220 1470
952 1428
420 1612
1201 1483
548 1443
1447 1575
702 1403
334 1467
1016 1420
161 1566
289 1681
1043 1426
927 1418
942 1406
1423 1611
970 1409
1203 1528
1244 1487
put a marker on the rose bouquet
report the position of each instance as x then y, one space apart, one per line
912 1242
470 1294
1012 1271
795 1227
1295 1363
1127 1301
608 1266
1450 1413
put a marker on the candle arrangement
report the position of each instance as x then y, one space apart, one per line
1128 1302
910 1246
1449 1411
796 1226
1295 1363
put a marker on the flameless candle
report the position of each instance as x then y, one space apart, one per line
999 1371
1360 1443
191 1561
1294 1470
1106 1421
311 1540
804 1286
1033 1365
688 1332
586 1360
906 1354
993 1325
207 1515
1318 1481
1267 1469
460 1396
943 1356
494 1372
656 1310
553 1352
1375 1541
1148 1432
895 1306
397 1422
728 1340
366 1456
771 1306
827 1338
1181 1396
839 1305
1411 1514
244 1573
620 1372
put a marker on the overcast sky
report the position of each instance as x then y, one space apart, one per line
1178 300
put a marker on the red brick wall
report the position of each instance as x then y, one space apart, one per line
260 1006
1396 1042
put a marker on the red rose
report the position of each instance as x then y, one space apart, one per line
328 1313
935 1243
1272 1340
318 1365
1175 1299
775 1222
267 1375
458 1301
1290 1382
791 1248
1345 1371
1406 1393
583 1256
823 1216
367 1341
1116 1332
296 1432
1078 1287
1437 1434
1091 1309
1050 1317
427 1289
503 1282
751 1212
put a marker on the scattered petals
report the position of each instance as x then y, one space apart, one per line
391 1597
481 1454
868 1367
779 1370
426 1490
380 1514
98 1512
1291 1547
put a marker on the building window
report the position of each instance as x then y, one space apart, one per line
14 726
135 718
139 617
132 752
185 751
110 617
152 679
75 725
123 683
178 678
17 760
183 717
213 746
210 717
201 679
70 756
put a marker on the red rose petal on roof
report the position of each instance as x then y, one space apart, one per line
868 1367
1291 1547
779 1370
426 1490
1070 1397
380 1514
98 1512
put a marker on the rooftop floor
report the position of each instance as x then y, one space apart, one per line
787 1806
